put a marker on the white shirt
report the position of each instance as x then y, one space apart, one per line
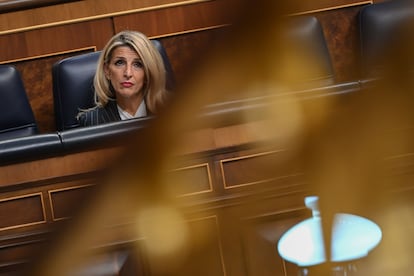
141 112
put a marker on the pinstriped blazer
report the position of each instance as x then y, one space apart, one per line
99 115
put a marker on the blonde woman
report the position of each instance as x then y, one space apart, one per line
130 80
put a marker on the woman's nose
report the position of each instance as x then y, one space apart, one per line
128 71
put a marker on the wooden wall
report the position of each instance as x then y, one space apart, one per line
34 39
224 181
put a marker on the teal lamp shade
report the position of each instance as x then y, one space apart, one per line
353 237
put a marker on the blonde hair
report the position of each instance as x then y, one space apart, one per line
153 65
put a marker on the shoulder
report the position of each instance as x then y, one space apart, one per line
99 115
89 117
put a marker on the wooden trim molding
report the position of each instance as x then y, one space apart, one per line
17 5
55 191
245 157
22 217
101 16
208 173
335 7
83 49
215 221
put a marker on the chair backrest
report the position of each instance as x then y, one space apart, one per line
17 118
307 45
383 31
73 85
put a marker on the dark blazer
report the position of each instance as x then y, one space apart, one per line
99 115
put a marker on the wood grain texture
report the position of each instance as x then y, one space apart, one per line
54 40
186 32
73 12
170 21
30 207
322 5
11 5
341 33
186 51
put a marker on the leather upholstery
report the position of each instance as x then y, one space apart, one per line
17 118
75 140
384 30
100 136
73 85
305 42
33 147
72 89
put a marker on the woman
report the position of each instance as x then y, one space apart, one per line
130 80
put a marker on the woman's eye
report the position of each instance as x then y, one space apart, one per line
138 64
119 62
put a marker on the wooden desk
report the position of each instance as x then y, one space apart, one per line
237 193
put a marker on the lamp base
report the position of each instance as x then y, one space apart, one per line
347 269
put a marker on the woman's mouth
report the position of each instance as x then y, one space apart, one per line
126 84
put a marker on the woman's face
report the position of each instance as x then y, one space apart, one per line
125 72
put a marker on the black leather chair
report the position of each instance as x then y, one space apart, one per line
28 148
385 31
17 118
73 85
304 41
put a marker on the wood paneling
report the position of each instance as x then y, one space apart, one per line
204 256
185 51
61 200
229 234
260 240
28 210
174 20
56 167
55 40
250 169
321 5
35 51
186 29
11 5
341 32
191 180
79 11
15 249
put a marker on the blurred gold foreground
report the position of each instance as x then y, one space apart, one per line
347 152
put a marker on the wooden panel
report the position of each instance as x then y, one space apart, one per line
319 5
52 168
42 47
64 202
118 263
254 169
11 5
91 9
15 250
184 51
74 12
341 32
260 239
26 210
205 257
191 180
174 20
54 40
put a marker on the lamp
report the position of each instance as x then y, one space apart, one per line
353 237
